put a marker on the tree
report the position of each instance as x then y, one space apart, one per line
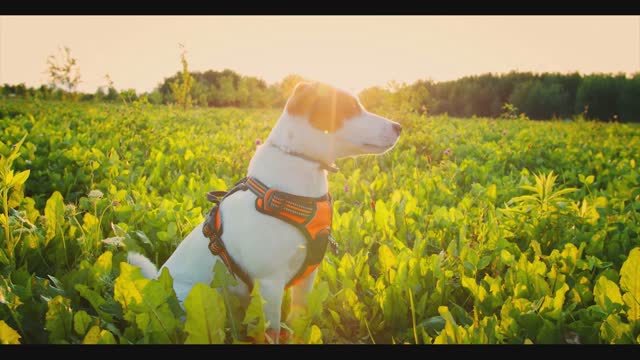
539 100
63 70
375 98
286 86
181 90
112 93
598 94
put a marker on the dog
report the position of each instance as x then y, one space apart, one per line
320 123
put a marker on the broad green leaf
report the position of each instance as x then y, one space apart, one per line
254 316
101 270
633 304
548 333
54 213
551 307
15 153
7 179
8 335
630 283
19 178
433 325
103 263
7 296
117 230
221 276
614 331
133 289
106 337
492 193
411 205
450 334
126 291
606 293
93 335
506 257
58 320
317 297
382 216
97 336
163 236
301 319
484 261
315 335
172 230
206 316
81 321
159 325
95 300
146 300
478 291
386 258
166 280
91 226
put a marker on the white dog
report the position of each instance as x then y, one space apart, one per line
276 226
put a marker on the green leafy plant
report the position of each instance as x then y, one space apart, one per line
449 238
181 88
10 183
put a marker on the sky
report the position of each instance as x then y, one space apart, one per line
352 52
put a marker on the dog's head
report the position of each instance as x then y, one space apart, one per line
327 123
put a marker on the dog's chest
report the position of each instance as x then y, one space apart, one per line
261 244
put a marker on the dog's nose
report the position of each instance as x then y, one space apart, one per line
397 128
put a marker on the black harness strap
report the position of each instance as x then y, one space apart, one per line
212 229
299 211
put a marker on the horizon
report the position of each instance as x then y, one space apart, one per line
352 52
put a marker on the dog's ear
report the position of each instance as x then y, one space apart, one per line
332 108
302 99
325 107
302 86
324 113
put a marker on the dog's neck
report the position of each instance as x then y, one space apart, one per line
322 164
286 172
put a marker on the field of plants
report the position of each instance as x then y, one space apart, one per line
469 231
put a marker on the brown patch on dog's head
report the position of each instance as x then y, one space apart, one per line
327 108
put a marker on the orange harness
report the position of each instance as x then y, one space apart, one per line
312 216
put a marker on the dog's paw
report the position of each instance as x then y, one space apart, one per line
271 335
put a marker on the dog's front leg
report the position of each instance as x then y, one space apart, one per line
299 294
272 292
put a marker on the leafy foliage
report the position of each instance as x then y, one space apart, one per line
206 315
63 70
181 90
483 231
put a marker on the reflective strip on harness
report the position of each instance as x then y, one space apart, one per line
312 216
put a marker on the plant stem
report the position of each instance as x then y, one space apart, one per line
64 246
5 205
15 318
413 317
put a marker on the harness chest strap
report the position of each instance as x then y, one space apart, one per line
312 216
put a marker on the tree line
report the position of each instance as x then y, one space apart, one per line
209 88
605 97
